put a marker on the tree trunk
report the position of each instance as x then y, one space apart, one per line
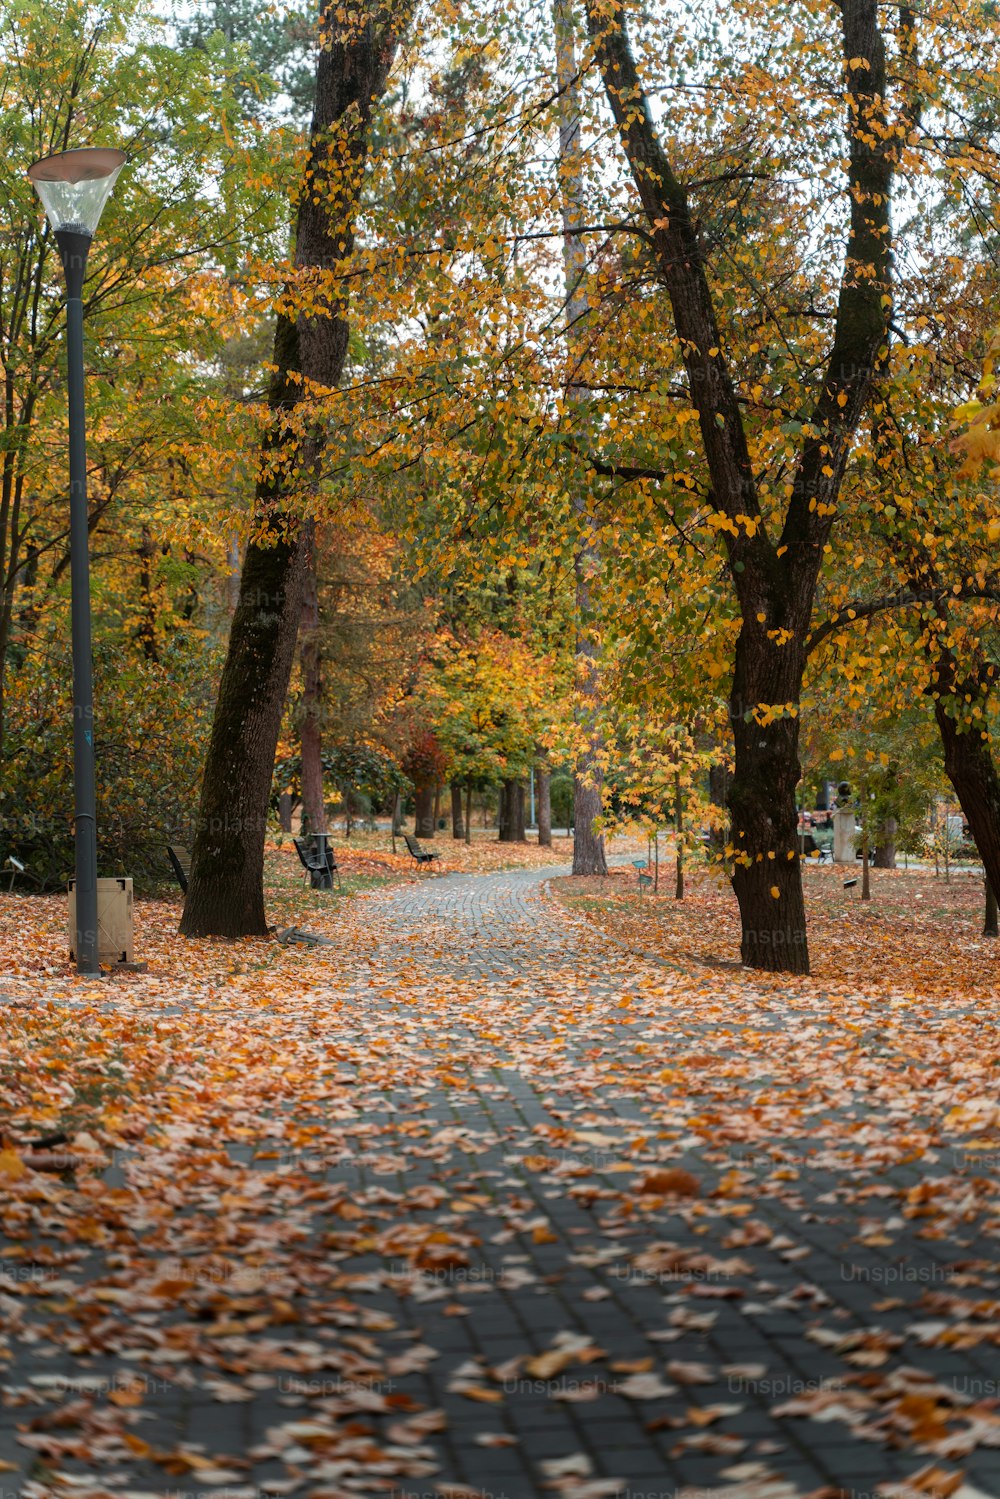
146 630
511 812
588 846
773 564
285 811
423 810
233 570
970 767
437 808
468 814
767 875
990 918
866 883
885 850
226 889
397 815
310 721
679 824
457 822
544 807
225 895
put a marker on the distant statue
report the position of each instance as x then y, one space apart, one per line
844 826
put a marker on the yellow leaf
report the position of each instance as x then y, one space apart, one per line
11 1165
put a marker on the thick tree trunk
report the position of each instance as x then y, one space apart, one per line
457 821
969 766
773 564
767 876
285 811
310 720
225 896
885 850
990 928
588 845
511 812
397 815
423 810
544 806
226 890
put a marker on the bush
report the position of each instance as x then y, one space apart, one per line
152 721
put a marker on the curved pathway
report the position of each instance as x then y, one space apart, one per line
576 1225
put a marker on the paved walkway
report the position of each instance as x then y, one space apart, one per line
533 1217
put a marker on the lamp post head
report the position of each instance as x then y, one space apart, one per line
75 185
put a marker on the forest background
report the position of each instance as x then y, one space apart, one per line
637 428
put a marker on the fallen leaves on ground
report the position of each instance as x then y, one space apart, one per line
282 1179
919 935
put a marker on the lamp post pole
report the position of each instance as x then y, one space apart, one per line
73 249
74 187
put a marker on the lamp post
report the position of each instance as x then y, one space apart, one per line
74 187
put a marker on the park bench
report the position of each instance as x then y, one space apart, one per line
416 852
180 863
645 880
319 862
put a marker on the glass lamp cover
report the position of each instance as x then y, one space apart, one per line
75 185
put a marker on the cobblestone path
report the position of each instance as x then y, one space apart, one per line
594 1226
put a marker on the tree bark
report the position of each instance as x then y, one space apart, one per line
457 821
310 719
885 850
226 890
588 845
511 812
971 769
766 873
544 807
990 928
285 811
679 826
423 810
468 814
146 631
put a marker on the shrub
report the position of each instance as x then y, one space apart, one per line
152 721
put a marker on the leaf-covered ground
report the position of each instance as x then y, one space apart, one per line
919 935
472 1201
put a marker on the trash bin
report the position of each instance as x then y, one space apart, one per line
114 920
